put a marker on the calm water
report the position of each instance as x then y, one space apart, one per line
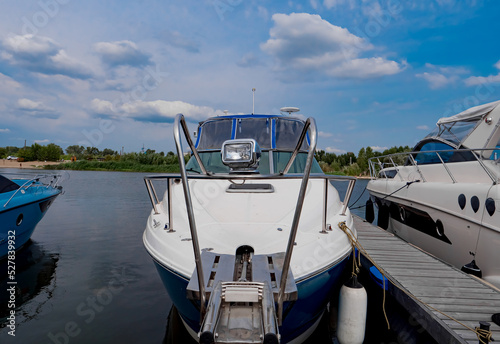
86 277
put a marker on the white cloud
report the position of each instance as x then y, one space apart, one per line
4 130
42 141
423 127
38 109
29 45
122 53
30 105
442 76
481 80
156 111
378 148
334 150
7 84
436 80
307 43
42 55
324 134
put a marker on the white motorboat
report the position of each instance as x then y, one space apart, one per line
246 238
444 196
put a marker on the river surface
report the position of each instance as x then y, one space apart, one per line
86 277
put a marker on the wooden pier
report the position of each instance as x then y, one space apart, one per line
433 282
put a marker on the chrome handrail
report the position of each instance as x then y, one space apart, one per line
179 121
32 181
374 161
309 125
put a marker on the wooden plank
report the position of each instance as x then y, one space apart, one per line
476 302
430 280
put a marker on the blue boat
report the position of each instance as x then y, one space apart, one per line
23 203
246 239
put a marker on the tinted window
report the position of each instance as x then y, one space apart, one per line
288 133
257 129
433 158
214 133
7 185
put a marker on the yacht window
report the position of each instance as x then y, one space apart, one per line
214 133
258 129
7 185
454 132
287 134
429 154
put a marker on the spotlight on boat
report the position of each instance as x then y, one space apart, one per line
241 155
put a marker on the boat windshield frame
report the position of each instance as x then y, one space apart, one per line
269 135
453 133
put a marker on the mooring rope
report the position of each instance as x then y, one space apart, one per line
480 333
392 193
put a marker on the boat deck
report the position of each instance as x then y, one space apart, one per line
432 282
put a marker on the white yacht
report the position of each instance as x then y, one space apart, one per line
444 196
246 238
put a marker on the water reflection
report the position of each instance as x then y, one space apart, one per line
35 272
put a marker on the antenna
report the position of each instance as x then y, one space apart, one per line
289 109
253 101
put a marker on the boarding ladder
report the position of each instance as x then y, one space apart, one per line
242 290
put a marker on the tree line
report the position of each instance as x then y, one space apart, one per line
349 163
344 164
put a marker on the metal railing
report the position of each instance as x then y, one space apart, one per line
309 125
54 179
381 163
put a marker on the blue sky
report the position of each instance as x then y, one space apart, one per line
113 74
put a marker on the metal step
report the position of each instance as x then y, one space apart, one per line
220 268
242 296
240 312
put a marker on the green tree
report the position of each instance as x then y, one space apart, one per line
75 150
107 151
51 152
26 154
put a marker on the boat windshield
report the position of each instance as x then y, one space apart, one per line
7 185
454 132
276 136
270 133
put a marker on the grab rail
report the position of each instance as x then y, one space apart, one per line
179 120
309 125
32 181
376 161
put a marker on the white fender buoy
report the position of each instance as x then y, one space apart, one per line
352 312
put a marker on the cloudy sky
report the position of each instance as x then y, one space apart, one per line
113 74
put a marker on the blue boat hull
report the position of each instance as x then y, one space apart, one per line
18 222
313 296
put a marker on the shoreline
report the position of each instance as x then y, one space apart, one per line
32 165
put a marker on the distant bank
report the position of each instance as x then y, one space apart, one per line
26 164
112 165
